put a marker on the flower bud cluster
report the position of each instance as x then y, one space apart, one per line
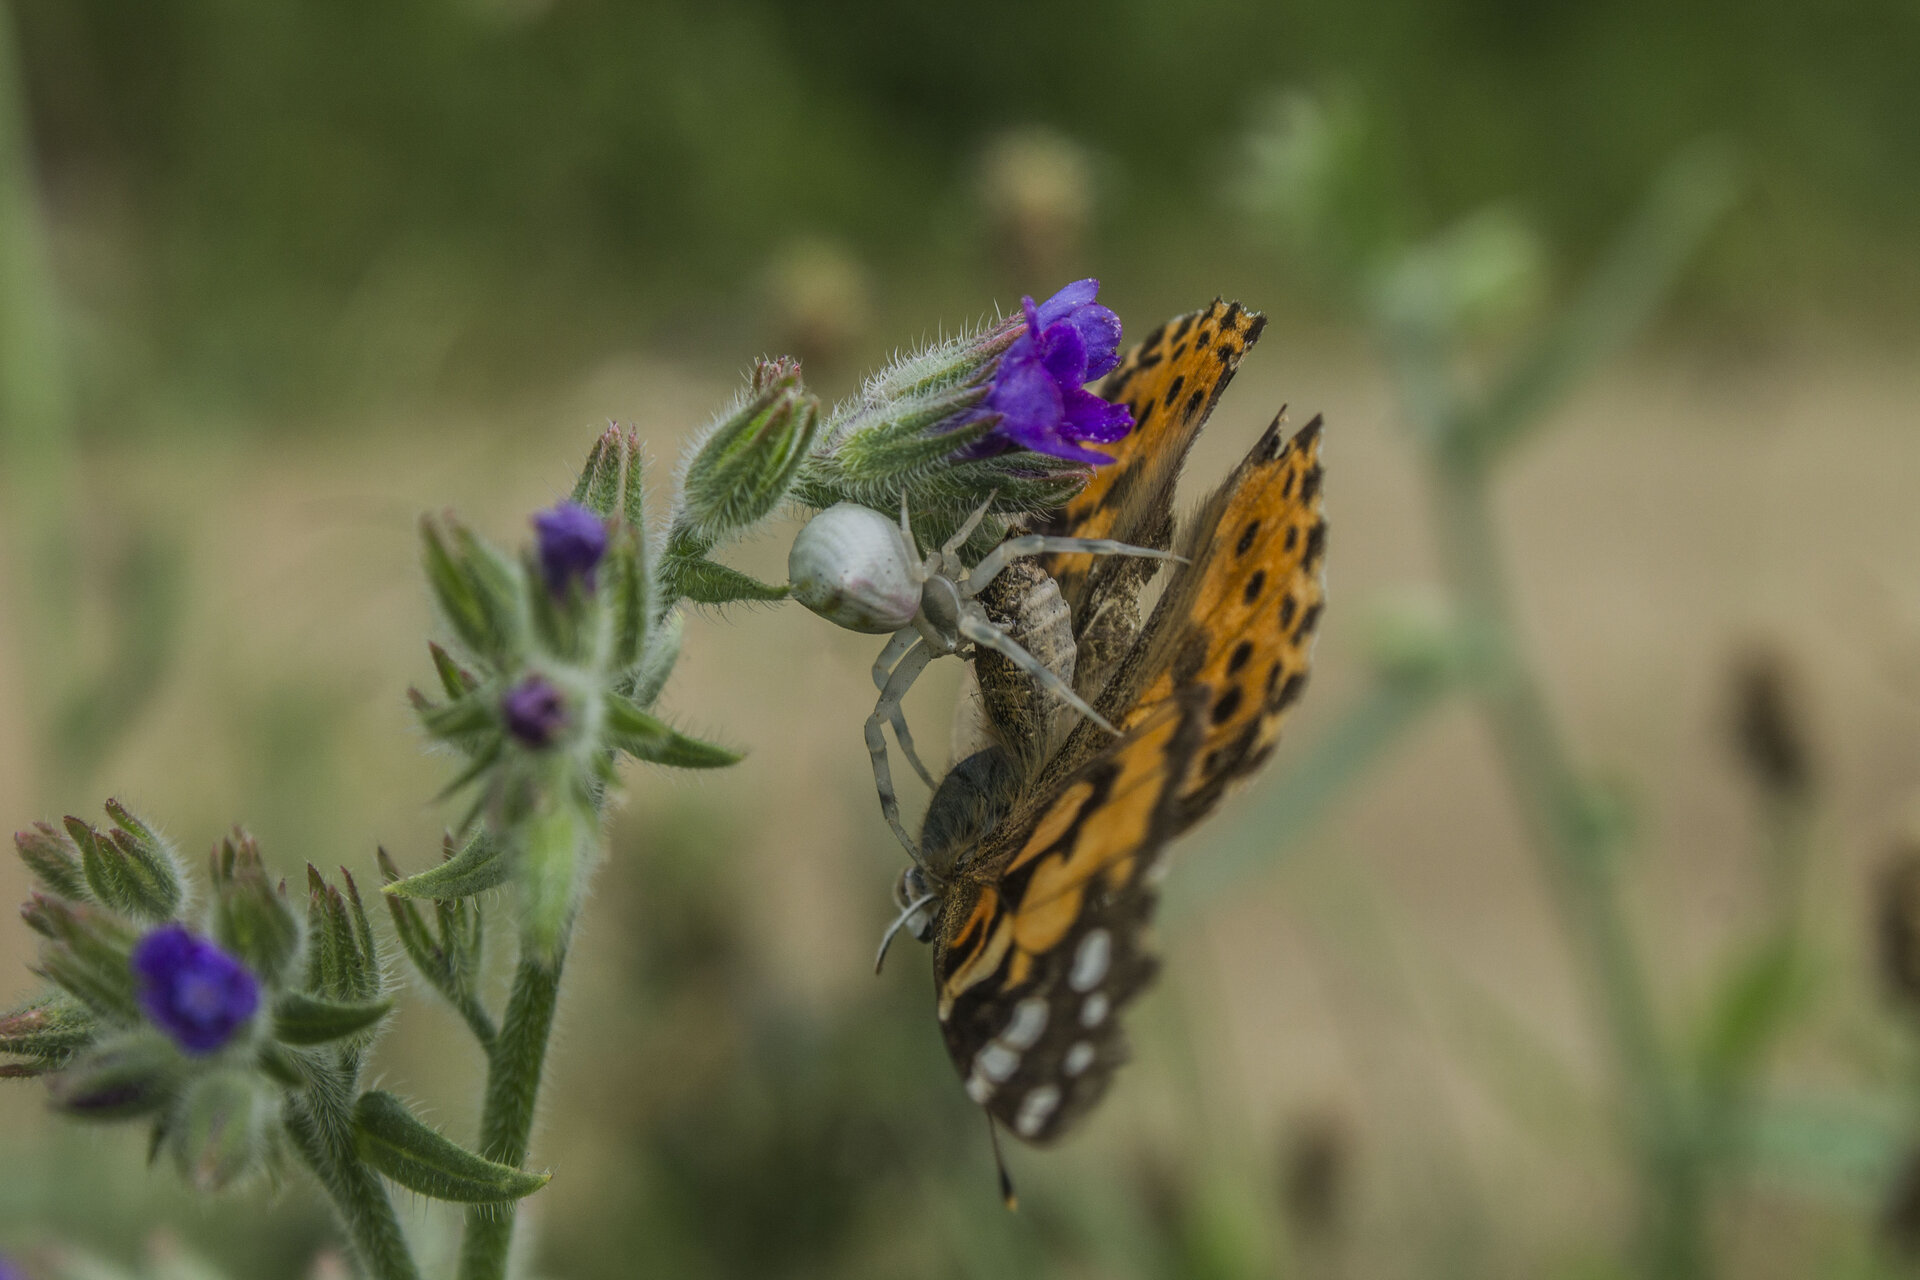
998 416
211 1031
558 654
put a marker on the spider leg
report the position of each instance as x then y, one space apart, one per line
1034 543
976 627
902 641
904 674
959 539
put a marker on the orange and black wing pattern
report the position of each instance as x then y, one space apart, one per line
1238 620
1034 961
1170 382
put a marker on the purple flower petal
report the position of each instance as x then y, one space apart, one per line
572 540
1066 301
535 712
1038 386
1064 354
1088 417
1026 398
191 989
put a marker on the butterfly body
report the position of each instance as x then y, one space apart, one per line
1045 843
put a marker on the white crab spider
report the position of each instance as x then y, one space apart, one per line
857 569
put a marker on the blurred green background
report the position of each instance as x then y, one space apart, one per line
276 277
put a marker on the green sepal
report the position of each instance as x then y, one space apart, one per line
464 722
342 963
251 917
54 861
50 1029
633 497
448 957
481 866
477 589
135 1075
304 1020
218 1131
908 445
455 679
484 759
598 489
454 592
707 582
127 873
628 590
397 1143
646 737
747 463
87 955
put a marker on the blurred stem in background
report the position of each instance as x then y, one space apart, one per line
1318 174
76 717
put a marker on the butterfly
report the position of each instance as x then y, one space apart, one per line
1042 849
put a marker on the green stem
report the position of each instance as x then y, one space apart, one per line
1575 853
358 1196
513 1084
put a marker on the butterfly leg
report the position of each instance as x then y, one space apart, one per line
1034 543
904 674
883 666
975 626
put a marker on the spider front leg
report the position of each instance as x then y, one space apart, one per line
882 668
977 627
1033 544
904 674
965 531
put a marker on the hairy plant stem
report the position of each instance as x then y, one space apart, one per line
1576 857
514 1064
358 1195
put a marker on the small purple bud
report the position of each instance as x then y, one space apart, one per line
10 1272
535 712
192 990
572 541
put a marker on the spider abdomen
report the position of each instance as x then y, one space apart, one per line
853 567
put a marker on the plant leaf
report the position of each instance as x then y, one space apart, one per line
397 1143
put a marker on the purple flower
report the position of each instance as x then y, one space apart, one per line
1039 388
535 712
10 1272
191 989
572 540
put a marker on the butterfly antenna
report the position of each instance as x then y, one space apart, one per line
1007 1195
899 922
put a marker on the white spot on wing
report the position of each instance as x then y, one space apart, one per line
1029 1020
1035 1108
996 1062
1090 960
1079 1058
979 1088
1094 1011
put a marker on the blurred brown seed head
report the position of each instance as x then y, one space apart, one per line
1769 727
1316 1159
820 300
1898 911
1036 192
